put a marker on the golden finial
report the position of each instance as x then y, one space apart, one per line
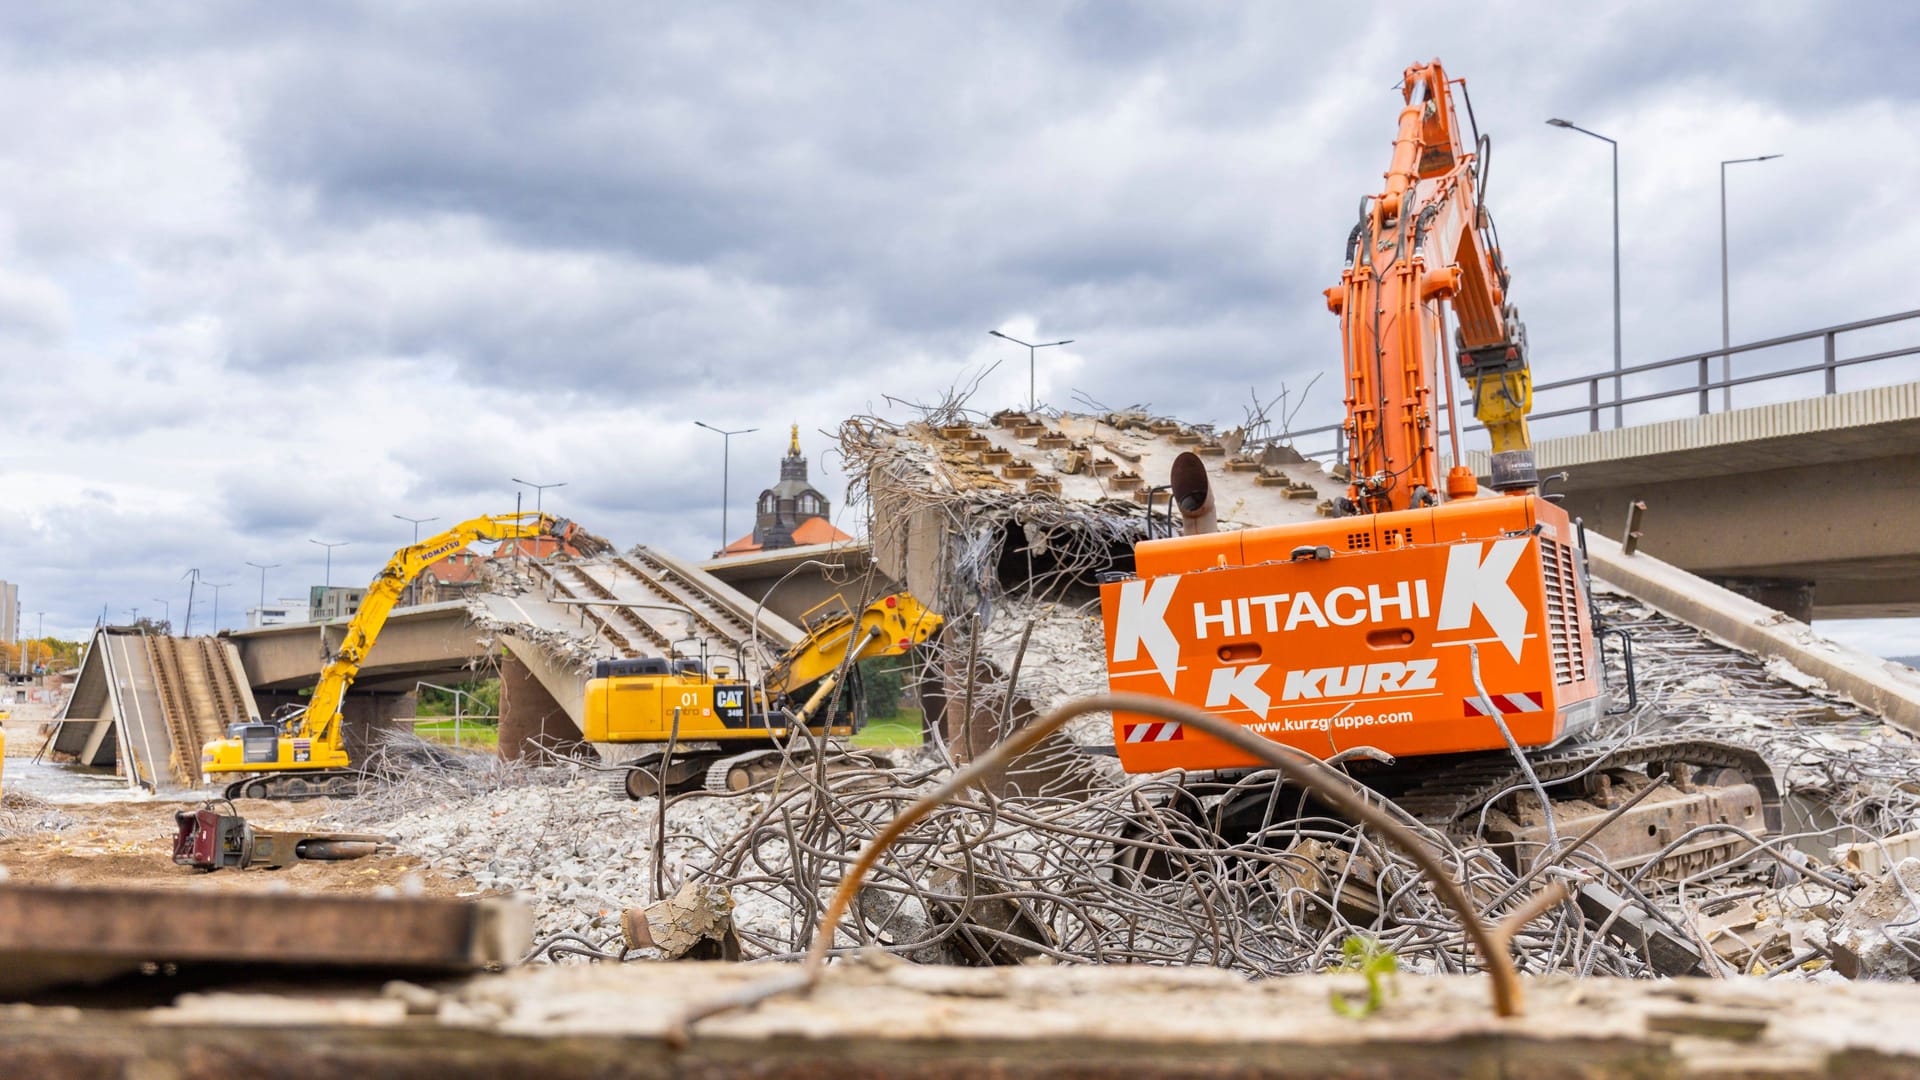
794 447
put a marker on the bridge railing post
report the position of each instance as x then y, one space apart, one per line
1832 372
1593 404
1705 391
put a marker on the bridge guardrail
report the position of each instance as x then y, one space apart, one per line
1703 385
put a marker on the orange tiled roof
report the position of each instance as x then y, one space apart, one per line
535 547
455 568
814 530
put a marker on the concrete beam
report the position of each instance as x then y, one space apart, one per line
1888 689
53 934
417 643
760 577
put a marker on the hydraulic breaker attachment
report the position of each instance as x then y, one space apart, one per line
209 840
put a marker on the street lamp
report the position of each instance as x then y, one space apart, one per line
1559 123
216 602
1726 321
166 611
329 580
539 490
726 461
1033 402
193 579
263 568
413 587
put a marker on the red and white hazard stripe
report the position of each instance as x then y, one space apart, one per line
1161 731
1509 703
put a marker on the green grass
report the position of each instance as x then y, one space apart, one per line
900 730
471 733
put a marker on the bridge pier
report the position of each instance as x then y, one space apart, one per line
531 719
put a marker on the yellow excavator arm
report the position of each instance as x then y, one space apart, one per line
887 627
657 700
317 742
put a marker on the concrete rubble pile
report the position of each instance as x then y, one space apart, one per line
23 815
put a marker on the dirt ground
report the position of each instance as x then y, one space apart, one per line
60 825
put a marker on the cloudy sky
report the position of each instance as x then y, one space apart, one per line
277 272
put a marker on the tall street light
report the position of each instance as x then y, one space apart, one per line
328 587
263 568
726 462
1559 123
1033 401
192 578
539 490
166 611
216 602
413 587
1726 321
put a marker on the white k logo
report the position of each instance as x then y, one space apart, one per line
1474 584
1143 621
1242 684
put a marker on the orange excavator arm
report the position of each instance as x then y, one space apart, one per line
1425 239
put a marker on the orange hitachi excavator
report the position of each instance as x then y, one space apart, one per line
1449 630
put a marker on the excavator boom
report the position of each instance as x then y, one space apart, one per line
315 743
1425 241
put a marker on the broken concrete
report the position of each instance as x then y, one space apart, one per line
1877 935
1021 1023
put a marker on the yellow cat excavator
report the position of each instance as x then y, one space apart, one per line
303 753
726 732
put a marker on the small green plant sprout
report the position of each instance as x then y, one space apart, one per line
1377 964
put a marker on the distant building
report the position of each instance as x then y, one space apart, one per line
279 613
9 612
337 602
791 512
449 578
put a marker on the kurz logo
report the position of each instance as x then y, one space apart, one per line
1476 580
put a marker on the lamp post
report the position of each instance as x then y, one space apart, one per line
166 611
726 462
216 602
193 579
263 568
39 635
1559 123
1726 320
413 587
326 588
1033 402
337 543
539 490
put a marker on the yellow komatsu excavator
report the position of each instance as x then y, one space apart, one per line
303 753
728 732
